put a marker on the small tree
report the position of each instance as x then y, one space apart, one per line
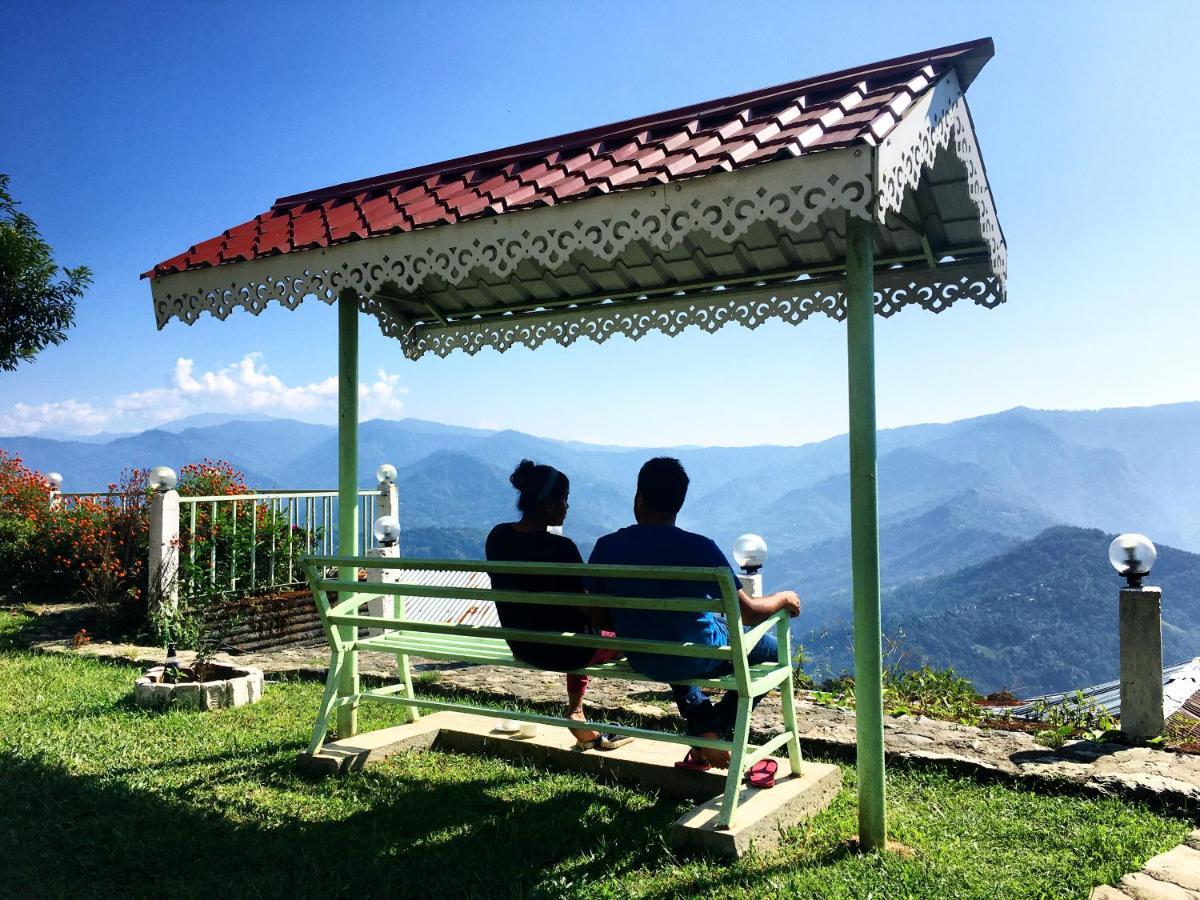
35 309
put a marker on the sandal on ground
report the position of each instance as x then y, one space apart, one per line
606 741
694 761
762 773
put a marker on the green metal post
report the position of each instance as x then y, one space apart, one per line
864 531
347 716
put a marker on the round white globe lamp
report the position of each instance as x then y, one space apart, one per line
54 479
387 531
386 474
750 552
1133 556
163 478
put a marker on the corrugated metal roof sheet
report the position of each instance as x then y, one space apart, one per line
858 106
457 612
1180 685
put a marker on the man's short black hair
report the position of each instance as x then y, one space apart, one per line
663 485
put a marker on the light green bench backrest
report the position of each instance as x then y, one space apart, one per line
345 612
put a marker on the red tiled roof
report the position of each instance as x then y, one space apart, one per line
827 112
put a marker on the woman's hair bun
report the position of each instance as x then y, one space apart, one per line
520 478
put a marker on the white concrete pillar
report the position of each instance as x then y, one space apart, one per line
382 604
752 584
389 501
164 546
1141 662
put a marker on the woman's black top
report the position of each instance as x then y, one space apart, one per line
508 544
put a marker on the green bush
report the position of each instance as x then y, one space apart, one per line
16 551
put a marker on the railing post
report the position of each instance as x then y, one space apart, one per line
347 716
864 531
164 548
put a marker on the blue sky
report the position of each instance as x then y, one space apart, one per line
135 130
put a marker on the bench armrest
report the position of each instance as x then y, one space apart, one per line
755 634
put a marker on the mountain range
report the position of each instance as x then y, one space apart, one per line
953 497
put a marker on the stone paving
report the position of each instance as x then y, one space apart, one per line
1174 875
1141 773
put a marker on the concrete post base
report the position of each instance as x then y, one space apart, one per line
1141 662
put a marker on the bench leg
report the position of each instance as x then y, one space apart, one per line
787 691
405 675
321 729
347 716
733 783
788 696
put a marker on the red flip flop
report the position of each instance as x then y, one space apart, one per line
694 761
762 773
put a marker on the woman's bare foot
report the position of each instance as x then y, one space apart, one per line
583 735
717 758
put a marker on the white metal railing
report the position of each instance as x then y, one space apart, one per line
104 497
309 519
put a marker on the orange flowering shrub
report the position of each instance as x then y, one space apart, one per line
92 548
96 548
25 519
211 478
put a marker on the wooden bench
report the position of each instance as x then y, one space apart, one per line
340 602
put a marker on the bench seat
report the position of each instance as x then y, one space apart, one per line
487 651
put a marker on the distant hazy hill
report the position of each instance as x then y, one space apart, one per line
938 538
1040 617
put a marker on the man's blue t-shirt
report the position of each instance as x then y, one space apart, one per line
661 545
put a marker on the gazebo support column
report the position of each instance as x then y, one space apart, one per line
347 716
864 531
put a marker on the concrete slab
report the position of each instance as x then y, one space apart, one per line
350 755
648 764
762 814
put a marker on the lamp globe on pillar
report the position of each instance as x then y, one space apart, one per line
750 552
54 480
386 474
387 531
1132 555
163 478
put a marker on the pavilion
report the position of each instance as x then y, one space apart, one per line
855 191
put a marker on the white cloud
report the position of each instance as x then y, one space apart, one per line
243 386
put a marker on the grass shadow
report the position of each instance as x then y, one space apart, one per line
450 838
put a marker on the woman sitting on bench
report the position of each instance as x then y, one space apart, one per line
542 502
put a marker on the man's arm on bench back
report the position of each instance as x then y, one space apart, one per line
755 609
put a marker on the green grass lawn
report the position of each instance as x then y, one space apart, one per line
100 798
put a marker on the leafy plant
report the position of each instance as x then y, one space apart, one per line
925 691
1074 715
937 693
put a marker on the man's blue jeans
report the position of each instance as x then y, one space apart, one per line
701 714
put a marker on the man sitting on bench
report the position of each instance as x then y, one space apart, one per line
656 541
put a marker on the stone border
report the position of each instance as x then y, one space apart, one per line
241 686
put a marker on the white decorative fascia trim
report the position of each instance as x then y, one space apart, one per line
790 194
932 289
934 123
